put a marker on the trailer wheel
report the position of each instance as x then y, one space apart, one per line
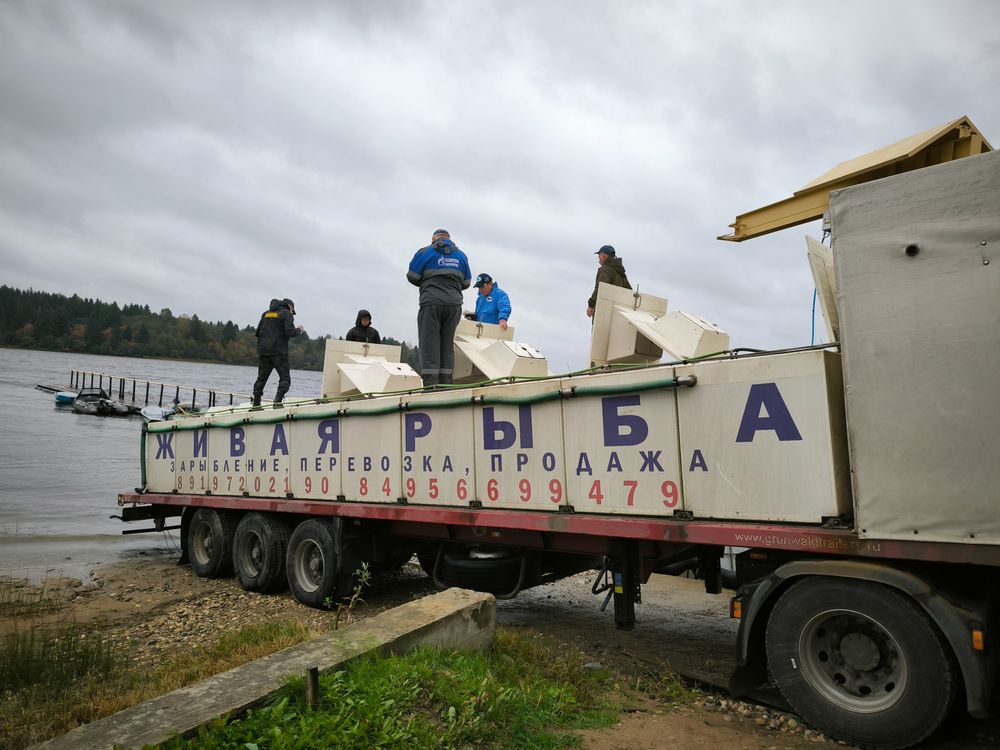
259 548
313 564
860 661
210 543
492 571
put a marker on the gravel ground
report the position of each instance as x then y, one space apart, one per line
159 609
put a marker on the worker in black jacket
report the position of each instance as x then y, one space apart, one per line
275 328
363 330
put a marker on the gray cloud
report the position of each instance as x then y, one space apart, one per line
206 157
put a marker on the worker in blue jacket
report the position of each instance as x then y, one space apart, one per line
441 270
492 304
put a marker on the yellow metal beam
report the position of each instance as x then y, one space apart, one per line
799 209
954 140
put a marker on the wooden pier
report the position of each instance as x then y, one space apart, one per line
136 393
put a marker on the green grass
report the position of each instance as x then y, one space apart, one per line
664 686
57 684
48 671
520 694
52 654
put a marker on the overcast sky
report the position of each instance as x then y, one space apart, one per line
207 157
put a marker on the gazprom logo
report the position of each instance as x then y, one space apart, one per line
448 262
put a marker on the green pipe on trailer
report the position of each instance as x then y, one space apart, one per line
572 392
142 458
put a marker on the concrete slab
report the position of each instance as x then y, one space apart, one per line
455 618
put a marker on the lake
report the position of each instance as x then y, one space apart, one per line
61 472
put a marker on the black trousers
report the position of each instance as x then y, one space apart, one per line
436 326
265 364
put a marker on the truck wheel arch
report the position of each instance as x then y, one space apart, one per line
952 621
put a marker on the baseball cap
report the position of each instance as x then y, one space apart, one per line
605 249
483 278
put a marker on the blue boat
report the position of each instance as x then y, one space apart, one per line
65 397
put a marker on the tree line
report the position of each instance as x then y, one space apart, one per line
31 319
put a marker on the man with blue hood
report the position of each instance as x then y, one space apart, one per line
276 326
441 270
492 304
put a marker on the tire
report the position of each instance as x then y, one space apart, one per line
259 548
210 543
427 556
313 564
860 661
497 575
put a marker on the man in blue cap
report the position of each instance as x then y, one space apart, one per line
492 304
611 272
441 270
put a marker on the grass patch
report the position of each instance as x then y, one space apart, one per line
35 710
52 654
664 686
231 650
44 658
522 693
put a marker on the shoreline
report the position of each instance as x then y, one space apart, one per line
35 559
151 604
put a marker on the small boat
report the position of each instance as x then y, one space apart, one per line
97 401
65 397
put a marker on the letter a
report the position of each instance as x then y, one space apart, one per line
776 415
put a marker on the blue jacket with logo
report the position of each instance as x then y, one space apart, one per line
441 271
493 307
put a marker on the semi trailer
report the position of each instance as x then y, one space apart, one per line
858 478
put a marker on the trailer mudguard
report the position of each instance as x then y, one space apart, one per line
954 622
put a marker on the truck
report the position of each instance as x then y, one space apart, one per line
856 479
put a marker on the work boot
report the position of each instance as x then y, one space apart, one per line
255 404
277 405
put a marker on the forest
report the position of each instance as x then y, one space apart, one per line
31 319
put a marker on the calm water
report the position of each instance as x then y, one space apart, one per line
61 472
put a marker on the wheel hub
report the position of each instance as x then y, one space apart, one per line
252 554
309 566
853 661
859 652
204 543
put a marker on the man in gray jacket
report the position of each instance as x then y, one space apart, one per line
441 271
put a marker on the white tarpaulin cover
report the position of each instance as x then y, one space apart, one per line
918 276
